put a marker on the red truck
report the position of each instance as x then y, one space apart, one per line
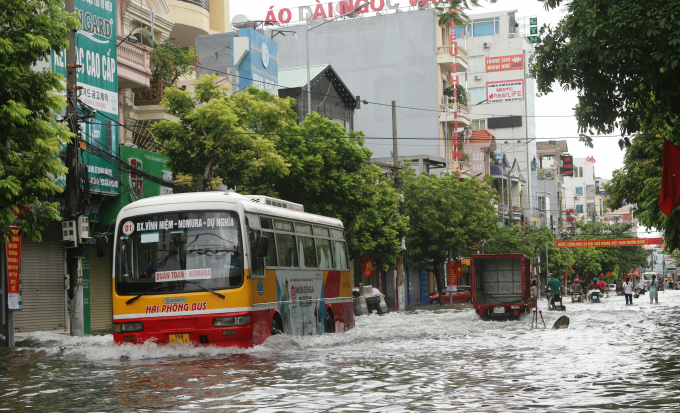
501 284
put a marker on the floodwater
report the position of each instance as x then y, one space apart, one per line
612 357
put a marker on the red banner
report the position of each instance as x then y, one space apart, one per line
630 242
367 267
454 270
13 255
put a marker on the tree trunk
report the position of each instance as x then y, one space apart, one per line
207 173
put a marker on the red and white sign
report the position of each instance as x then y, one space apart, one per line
505 91
182 275
128 228
502 63
13 256
590 159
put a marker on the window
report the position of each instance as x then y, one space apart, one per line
321 232
283 225
340 254
307 253
266 223
580 172
323 250
460 31
285 250
476 64
256 263
270 259
479 124
476 95
579 209
579 190
337 234
486 27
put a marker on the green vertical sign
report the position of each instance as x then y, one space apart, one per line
86 291
96 54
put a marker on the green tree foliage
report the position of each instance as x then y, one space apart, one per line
170 62
30 102
447 213
621 56
223 139
328 174
452 10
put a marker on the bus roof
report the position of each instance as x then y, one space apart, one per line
201 201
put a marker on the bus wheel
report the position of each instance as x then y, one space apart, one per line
329 324
276 326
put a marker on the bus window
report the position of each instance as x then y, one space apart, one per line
285 249
270 259
337 234
323 250
303 229
283 225
340 254
307 253
266 223
256 263
321 232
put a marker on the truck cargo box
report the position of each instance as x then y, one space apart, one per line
500 284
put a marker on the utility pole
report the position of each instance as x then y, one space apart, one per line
73 255
400 283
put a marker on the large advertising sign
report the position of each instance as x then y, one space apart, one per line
96 54
502 63
260 66
608 243
505 91
13 256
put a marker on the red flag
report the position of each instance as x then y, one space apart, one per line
367 266
670 177
573 265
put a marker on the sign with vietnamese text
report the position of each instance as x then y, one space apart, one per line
502 63
630 242
505 91
13 259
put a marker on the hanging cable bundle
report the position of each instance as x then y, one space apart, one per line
83 186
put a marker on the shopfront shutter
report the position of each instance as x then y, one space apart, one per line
101 312
42 283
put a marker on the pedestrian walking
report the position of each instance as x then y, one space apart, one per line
628 290
653 290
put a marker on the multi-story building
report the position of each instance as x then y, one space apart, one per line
497 57
582 197
551 204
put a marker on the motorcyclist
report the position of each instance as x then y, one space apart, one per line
554 285
576 288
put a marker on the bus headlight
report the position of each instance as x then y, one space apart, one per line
128 327
231 321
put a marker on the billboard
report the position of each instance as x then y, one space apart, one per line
96 53
567 165
505 91
502 63
256 64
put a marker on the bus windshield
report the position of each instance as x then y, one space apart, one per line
179 252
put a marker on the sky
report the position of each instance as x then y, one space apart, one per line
554 111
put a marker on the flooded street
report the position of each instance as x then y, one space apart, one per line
612 357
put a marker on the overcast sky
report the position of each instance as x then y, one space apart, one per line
554 112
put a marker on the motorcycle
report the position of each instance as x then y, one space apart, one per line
576 298
555 303
595 296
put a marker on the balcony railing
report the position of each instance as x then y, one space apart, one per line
444 56
463 113
135 56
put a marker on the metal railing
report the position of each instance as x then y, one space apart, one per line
146 96
134 55
462 54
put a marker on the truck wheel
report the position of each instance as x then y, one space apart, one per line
435 302
329 323
276 327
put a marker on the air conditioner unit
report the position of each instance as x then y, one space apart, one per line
478 77
486 44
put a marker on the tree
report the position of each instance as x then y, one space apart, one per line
222 139
329 175
623 57
447 214
452 10
30 102
170 62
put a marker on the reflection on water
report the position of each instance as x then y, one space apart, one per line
611 357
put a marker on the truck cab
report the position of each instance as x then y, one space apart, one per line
501 285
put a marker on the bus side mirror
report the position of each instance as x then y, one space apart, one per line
262 247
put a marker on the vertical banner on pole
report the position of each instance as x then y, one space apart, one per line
13 256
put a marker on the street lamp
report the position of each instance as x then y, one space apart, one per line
309 92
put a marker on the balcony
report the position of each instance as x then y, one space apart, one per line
134 69
463 114
444 58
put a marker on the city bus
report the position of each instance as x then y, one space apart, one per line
226 269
